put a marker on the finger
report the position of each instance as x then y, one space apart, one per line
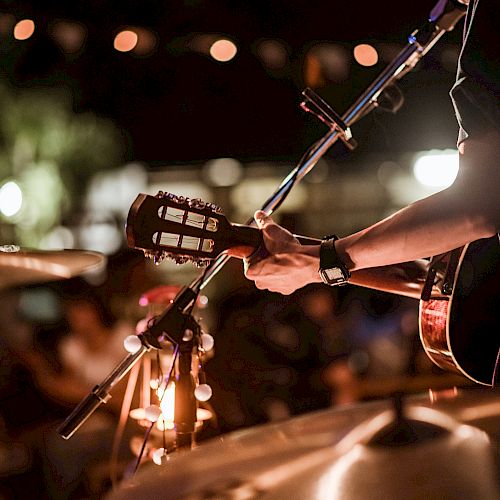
262 219
259 254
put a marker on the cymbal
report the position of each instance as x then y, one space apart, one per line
326 453
20 266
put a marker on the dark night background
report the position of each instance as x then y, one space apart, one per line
178 106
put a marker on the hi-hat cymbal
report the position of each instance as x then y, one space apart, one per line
20 266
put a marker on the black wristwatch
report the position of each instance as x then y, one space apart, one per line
331 269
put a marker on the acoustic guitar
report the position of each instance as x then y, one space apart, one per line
460 311
459 308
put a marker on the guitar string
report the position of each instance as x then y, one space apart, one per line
188 222
495 370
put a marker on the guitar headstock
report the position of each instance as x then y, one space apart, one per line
176 227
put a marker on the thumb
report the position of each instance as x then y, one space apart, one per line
262 219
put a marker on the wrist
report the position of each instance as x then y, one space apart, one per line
340 247
333 270
310 261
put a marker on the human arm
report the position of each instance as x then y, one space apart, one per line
467 211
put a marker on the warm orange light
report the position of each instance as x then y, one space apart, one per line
365 54
223 50
167 404
125 41
24 29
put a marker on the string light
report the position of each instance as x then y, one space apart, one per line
125 41
160 456
203 392
207 342
365 54
223 50
152 413
132 344
24 29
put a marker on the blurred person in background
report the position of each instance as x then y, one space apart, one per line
65 357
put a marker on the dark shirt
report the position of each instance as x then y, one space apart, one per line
476 92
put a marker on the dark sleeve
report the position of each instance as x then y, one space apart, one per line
476 92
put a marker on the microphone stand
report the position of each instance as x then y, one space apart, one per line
172 322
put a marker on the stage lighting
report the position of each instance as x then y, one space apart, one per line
436 168
11 199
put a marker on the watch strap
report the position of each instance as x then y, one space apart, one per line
332 269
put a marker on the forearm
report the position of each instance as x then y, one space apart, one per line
426 228
467 211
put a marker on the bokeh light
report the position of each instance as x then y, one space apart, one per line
70 36
325 63
125 41
437 168
272 53
11 199
223 50
223 171
147 41
24 29
365 54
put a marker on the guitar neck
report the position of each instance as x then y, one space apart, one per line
252 236
244 240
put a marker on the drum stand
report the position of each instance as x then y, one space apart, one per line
176 320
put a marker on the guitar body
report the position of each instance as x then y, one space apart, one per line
461 331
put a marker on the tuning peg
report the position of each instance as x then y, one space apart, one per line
179 199
200 262
214 207
148 254
179 259
158 258
196 203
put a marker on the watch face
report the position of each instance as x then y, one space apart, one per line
334 274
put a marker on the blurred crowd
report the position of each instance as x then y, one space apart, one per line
274 357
